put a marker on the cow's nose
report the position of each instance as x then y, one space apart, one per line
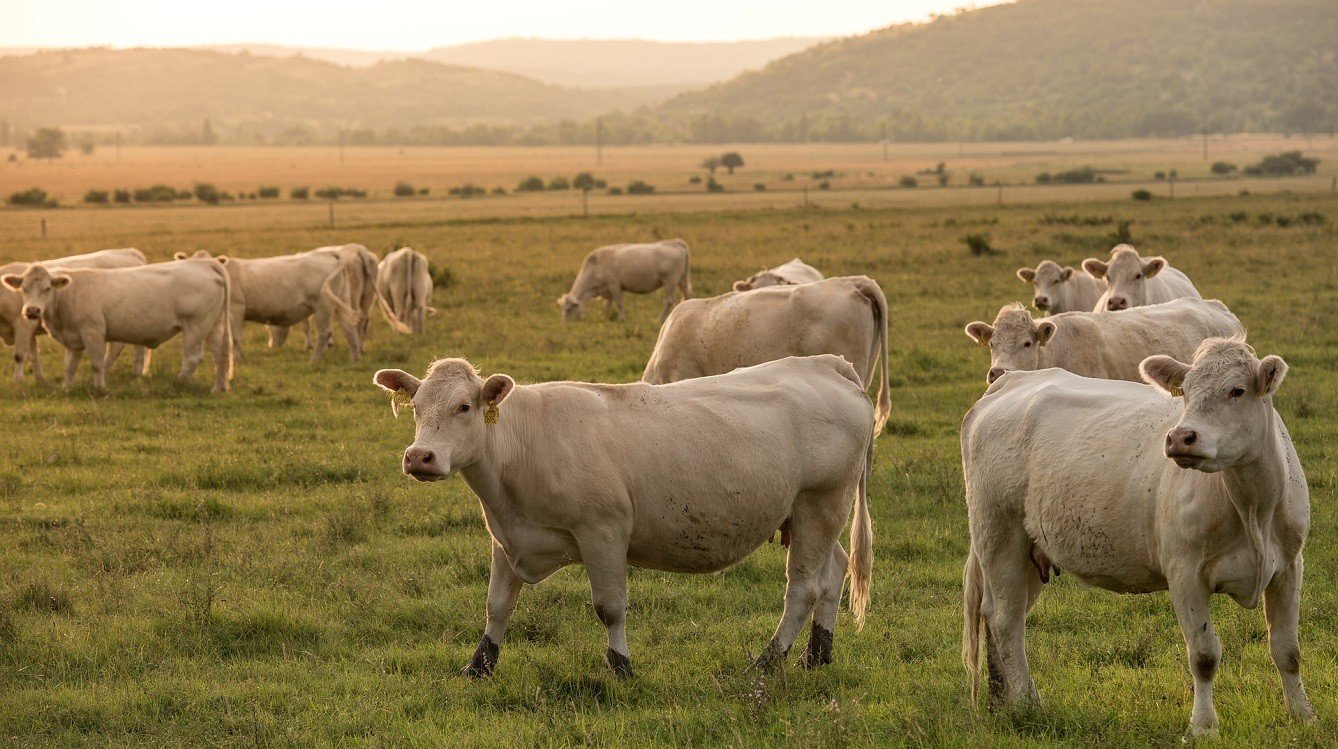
994 374
1180 440
1115 304
32 313
1041 302
419 460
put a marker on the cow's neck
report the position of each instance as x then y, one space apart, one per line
585 287
1255 487
501 449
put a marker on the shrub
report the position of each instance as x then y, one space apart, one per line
908 181
268 192
824 185
530 184
1085 175
1142 195
1122 235
499 191
442 278
424 190
1223 167
731 161
759 187
121 196
559 183
300 193
694 180
1159 176
207 193
1043 178
33 196
155 194
615 191
403 190
713 186
331 193
639 187
183 194
979 244
97 196
467 190
1282 165
976 179
1311 218
943 178
824 174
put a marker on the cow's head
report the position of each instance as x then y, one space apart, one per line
571 307
1014 341
760 281
1126 276
38 287
1228 402
201 255
450 411
1047 281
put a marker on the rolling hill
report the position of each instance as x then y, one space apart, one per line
1042 69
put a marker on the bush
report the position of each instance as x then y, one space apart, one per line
403 190
615 191
530 184
499 191
824 185
979 244
33 196
694 180
1085 175
207 193
713 186
467 190
759 187
442 278
824 174
1142 195
908 181
559 183
300 193
332 193
1043 178
943 178
1282 165
976 179
1122 235
97 196
121 196
183 194
155 194
1159 176
639 187
268 192
424 190
1223 167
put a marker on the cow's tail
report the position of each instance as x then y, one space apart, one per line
973 594
685 285
225 320
878 353
350 263
860 567
417 307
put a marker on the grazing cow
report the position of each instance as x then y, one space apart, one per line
403 281
689 477
1133 281
1191 486
22 332
639 268
1059 289
846 316
84 308
794 272
1104 346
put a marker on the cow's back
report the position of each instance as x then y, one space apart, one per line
1170 284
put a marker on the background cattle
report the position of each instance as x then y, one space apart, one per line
1100 345
83 309
1134 281
1057 289
846 316
637 268
404 282
688 477
21 332
1193 486
794 272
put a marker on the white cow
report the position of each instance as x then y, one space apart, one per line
1057 289
19 331
1100 345
403 281
84 308
637 268
1192 486
1133 281
794 272
846 316
689 477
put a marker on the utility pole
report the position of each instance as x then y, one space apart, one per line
599 140
331 213
1171 180
1205 144
884 139
44 227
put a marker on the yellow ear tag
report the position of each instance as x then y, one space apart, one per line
491 413
400 399
1177 392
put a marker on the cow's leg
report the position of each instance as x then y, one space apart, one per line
1012 586
320 321
605 557
615 298
217 340
307 340
352 336
237 319
113 353
1282 608
143 360
278 334
670 294
1190 597
815 525
503 590
192 350
820 639
97 358
35 356
72 356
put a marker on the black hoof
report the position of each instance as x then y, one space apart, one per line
484 660
819 651
771 659
620 664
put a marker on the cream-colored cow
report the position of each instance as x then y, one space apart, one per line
689 477
1100 345
404 282
846 316
21 332
84 309
1133 281
1057 289
637 268
1192 486
795 271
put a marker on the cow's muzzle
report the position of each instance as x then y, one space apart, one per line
32 313
422 464
1182 446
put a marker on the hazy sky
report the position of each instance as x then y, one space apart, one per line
420 24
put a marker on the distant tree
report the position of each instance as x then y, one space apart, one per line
268 192
47 143
711 163
87 147
1142 195
731 161
585 182
908 181
207 193
207 134
713 186
639 187
559 183
121 196
96 196
1223 167
31 197
299 193
403 190
530 184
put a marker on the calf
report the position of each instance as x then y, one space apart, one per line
1133 281
689 477
1059 289
1192 485
639 268
794 272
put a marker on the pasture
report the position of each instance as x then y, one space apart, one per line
252 569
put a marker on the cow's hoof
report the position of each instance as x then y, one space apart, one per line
819 651
771 658
620 664
484 660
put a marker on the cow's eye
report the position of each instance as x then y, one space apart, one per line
1027 344
1137 276
1237 392
463 407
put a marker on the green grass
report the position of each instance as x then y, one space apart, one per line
252 570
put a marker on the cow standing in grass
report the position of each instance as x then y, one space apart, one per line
1056 289
1192 485
403 280
1134 281
688 477
795 271
637 268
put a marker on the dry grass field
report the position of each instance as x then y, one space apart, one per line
181 569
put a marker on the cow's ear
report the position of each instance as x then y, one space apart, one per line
741 286
12 281
179 256
400 384
431 311
1026 274
223 259
60 280
496 388
1153 266
1272 370
1066 273
980 332
1164 373
1044 330
1095 268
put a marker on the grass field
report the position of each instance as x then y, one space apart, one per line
252 570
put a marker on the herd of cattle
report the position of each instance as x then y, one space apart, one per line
1127 436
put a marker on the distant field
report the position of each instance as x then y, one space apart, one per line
252 570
